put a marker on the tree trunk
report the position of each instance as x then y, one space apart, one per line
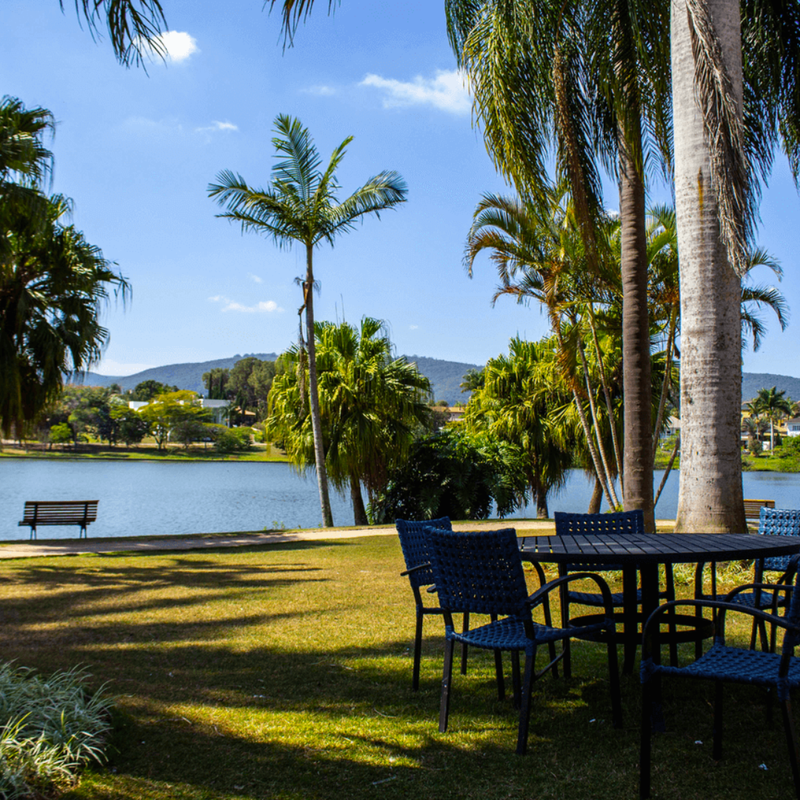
540 496
359 512
637 485
316 417
710 496
597 497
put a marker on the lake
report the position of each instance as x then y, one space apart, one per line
156 498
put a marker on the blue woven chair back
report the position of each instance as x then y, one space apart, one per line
781 522
479 571
621 522
415 548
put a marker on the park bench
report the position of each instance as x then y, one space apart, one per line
59 512
752 509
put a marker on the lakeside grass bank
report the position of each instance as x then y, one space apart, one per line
284 671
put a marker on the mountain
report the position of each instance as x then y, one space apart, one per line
753 381
445 376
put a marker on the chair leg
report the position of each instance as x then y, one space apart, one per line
464 645
417 651
613 680
498 671
791 741
669 582
525 702
447 676
646 741
716 753
515 677
567 665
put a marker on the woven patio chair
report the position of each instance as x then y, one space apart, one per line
598 524
722 663
420 576
481 572
771 522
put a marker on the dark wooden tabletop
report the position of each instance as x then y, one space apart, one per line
661 548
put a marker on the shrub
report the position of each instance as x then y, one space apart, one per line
233 440
50 727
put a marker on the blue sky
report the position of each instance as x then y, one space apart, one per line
136 151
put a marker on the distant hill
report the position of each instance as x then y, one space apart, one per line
445 376
752 382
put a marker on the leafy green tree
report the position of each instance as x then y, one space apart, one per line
60 434
372 407
216 383
232 440
452 473
168 411
301 205
472 380
147 390
132 428
53 283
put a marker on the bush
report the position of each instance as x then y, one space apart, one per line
233 440
50 728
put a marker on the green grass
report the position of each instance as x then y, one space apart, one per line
143 452
285 672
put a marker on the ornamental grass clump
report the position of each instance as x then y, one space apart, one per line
50 727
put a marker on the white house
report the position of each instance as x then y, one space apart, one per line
793 427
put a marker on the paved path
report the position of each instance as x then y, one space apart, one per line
66 547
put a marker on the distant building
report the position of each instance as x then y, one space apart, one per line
793 427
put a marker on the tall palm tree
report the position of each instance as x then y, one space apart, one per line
590 80
300 205
372 406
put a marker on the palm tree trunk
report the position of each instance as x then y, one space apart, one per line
359 512
597 497
710 496
637 488
316 417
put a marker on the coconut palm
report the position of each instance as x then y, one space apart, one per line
729 113
372 406
53 285
300 205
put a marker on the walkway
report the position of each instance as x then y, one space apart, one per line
154 544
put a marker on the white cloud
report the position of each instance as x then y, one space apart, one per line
447 91
179 45
413 327
216 125
321 91
173 46
262 307
254 278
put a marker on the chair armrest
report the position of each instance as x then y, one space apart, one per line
406 572
538 596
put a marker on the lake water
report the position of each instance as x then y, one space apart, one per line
154 498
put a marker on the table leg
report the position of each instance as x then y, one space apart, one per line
630 623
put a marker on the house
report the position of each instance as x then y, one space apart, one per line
793 427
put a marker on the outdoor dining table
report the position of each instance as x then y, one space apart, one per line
642 553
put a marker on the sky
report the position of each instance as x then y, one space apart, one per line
136 149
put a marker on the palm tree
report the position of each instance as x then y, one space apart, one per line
53 285
520 404
774 405
590 78
372 406
300 205
725 139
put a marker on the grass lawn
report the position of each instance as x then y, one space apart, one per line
285 672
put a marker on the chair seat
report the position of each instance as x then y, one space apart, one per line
749 599
509 634
590 599
736 665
